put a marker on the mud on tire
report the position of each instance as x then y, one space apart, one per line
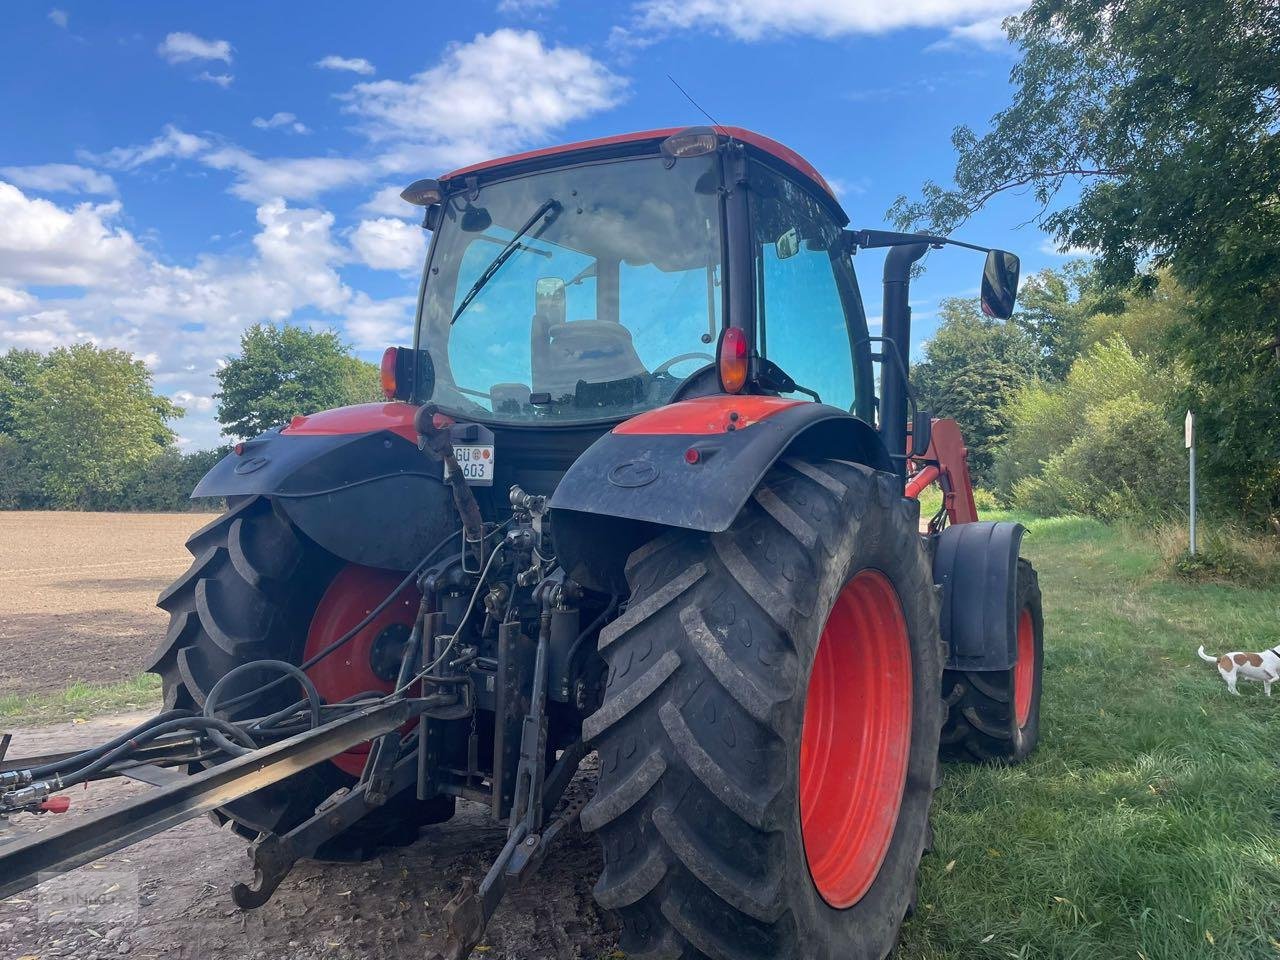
250 594
697 807
983 722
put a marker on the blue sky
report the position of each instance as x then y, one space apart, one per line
171 173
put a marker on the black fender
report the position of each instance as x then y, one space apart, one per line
369 497
976 565
638 479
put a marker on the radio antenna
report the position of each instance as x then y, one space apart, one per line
696 104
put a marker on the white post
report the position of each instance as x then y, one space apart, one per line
1190 432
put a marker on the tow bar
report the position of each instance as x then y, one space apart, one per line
22 862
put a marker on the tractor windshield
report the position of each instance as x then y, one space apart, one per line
605 303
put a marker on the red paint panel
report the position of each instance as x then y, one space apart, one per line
361 418
760 142
706 415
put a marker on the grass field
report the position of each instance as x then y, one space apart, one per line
1145 827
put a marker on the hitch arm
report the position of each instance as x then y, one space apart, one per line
274 856
82 841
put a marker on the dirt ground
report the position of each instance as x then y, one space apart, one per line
78 593
170 898
76 603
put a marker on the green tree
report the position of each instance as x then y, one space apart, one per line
288 370
1054 308
83 424
972 367
1164 119
18 368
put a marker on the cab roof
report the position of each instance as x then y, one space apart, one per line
760 142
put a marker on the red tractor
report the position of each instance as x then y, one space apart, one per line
633 492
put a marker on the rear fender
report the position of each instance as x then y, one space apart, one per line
689 465
352 479
976 565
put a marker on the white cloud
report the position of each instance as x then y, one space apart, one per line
377 324
1050 247
181 46
223 80
60 178
259 180
525 7
495 93
389 244
59 18
41 243
135 302
281 119
386 202
985 34
172 143
191 401
760 19
12 301
351 64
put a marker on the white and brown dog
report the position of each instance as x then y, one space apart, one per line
1264 667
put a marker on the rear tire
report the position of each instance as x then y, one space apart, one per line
702 786
250 594
995 715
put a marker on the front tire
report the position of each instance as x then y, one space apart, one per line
995 715
761 682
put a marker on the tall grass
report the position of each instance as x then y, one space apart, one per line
1145 826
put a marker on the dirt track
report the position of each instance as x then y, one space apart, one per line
173 902
78 593
76 603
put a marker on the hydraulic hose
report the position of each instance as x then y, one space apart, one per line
87 756
211 701
211 724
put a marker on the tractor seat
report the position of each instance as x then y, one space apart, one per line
592 351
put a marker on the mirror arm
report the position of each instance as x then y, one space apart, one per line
870 239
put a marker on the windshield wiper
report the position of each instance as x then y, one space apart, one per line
549 206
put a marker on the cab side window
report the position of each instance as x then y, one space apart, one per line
800 315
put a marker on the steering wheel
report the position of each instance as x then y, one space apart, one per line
663 369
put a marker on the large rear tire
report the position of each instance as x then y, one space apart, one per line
251 593
768 739
995 715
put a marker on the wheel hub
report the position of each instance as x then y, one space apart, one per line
371 659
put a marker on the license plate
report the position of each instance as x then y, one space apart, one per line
476 463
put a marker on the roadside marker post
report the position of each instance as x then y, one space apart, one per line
1189 430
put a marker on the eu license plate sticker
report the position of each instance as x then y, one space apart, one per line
476 463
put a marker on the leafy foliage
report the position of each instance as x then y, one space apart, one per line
972 367
288 370
1103 442
1165 118
81 421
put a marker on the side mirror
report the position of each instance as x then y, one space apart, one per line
787 245
921 432
1000 284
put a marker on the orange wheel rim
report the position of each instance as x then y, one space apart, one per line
1024 671
856 740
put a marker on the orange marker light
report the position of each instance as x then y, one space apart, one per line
388 373
733 362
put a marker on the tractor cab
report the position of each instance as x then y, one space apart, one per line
585 285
